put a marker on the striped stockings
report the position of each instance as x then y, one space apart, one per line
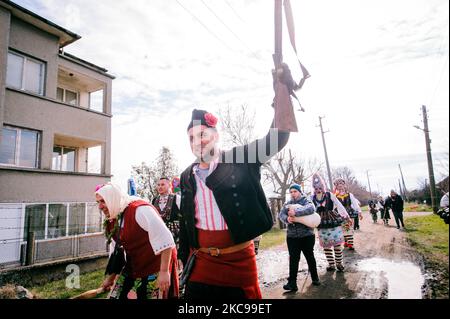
335 258
348 240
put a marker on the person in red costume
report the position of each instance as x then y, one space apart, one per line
223 209
149 270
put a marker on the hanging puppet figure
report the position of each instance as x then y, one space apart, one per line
349 201
333 215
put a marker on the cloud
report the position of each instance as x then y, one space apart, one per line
372 63
399 41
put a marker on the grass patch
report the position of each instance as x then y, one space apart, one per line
273 237
429 235
58 290
413 207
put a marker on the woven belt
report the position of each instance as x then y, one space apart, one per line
214 251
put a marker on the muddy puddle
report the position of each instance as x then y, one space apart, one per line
273 266
400 279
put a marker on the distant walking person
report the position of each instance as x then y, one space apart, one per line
384 212
395 202
332 214
373 211
299 237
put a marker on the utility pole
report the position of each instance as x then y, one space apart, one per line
403 181
325 151
400 190
429 158
368 181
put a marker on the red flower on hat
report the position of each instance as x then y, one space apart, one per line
210 119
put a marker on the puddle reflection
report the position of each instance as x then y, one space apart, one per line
404 279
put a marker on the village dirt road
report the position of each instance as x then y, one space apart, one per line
383 266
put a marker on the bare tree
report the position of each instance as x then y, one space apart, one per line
238 124
283 169
421 193
147 176
144 177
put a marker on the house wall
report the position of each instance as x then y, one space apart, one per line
51 117
30 40
38 186
5 18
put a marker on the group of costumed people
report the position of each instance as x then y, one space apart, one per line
332 213
207 232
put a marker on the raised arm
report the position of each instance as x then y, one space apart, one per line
259 151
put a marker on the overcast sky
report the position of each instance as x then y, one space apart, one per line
372 64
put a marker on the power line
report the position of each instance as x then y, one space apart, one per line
439 81
204 26
234 11
229 29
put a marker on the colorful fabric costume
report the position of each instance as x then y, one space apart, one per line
143 237
351 205
168 208
331 236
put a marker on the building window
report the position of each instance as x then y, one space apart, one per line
35 221
49 221
94 159
77 218
63 158
67 96
94 218
96 100
19 147
56 220
25 73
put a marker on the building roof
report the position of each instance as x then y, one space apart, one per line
65 36
85 63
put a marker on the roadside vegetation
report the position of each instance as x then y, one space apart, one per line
273 237
414 207
430 236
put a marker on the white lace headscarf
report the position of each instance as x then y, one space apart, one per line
115 199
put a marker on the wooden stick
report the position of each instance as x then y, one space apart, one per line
89 294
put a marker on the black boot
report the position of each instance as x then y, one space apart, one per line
291 286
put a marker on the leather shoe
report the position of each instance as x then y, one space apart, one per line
290 286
